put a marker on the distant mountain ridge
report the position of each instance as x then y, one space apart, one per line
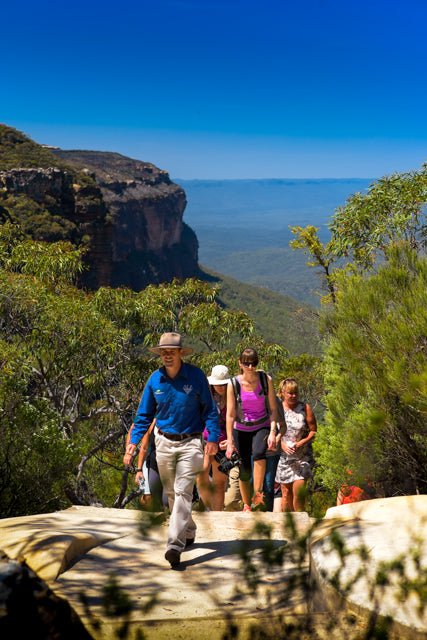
243 227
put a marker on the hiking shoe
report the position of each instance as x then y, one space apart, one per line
247 507
258 503
173 557
189 542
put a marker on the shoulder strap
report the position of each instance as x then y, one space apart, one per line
264 386
236 389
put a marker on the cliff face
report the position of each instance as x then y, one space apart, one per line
128 213
150 242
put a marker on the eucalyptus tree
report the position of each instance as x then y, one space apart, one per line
374 269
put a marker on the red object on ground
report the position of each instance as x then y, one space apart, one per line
351 493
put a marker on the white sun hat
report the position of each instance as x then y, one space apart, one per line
219 375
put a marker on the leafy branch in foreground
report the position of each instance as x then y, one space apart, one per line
275 577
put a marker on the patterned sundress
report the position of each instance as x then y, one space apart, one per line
297 466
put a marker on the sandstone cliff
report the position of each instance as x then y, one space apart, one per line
128 213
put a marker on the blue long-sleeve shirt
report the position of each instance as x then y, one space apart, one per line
183 404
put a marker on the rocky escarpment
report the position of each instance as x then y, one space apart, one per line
55 204
150 241
128 214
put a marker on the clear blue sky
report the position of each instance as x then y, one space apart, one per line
223 88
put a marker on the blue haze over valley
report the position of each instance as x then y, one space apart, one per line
243 227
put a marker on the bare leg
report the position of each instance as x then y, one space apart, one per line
245 491
277 505
259 473
299 495
219 485
287 497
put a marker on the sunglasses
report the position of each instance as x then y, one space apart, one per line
249 364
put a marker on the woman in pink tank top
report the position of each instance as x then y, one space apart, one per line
251 425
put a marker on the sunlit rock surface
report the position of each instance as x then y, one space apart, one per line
79 550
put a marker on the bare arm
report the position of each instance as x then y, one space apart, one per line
143 450
130 449
273 415
312 427
230 419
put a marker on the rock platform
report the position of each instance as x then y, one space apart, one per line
81 550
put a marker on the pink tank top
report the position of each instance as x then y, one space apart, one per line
253 409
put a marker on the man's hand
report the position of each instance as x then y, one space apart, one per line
139 477
127 458
211 448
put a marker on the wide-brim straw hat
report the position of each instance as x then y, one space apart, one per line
171 340
219 375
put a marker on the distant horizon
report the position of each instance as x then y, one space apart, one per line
273 179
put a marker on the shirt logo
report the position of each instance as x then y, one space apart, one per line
188 388
158 392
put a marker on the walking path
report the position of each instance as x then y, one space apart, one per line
78 550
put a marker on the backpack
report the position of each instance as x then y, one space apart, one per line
264 390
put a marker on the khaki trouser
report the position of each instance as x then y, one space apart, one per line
233 499
179 463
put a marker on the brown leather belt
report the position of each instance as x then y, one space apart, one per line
178 437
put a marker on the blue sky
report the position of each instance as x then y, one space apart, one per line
223 88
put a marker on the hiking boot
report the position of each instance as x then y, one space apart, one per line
173 557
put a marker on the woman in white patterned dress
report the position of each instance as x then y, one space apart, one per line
296 460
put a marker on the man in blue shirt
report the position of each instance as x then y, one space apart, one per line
178 396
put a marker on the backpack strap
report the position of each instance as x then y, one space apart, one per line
264 386
236 389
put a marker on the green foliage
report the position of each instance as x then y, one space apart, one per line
58 262
323 256
375 372
35 219
278 318
392 210
17 150
73 365
44 215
